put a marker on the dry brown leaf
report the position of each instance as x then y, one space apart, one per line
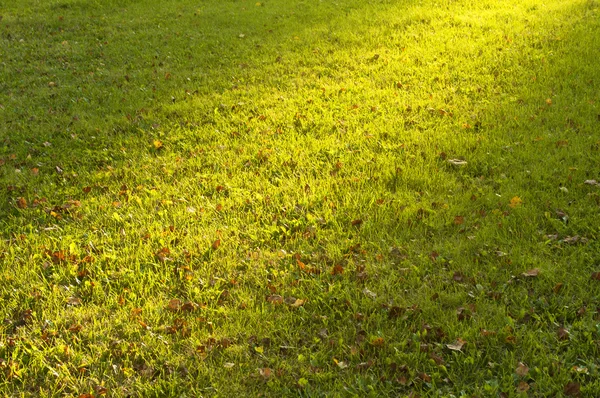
558 287
174 305
572 389
523 386
532 273
562 333
522 369
457 346
22 203
275 299
265 372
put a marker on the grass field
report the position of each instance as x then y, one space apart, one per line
300 198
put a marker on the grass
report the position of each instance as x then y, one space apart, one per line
230 197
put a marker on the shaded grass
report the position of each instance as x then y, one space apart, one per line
312 143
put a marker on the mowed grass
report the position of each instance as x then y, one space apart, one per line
352 198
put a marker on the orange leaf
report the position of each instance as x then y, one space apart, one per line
216 244
458 220
174 305
337 270
22 203
265 372
515 202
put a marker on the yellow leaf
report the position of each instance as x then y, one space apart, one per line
158 144
515 201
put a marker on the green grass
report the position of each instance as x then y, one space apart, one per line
227 198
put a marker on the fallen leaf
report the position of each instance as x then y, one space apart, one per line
457 162
592 182
532 273
265 372
557 288
228 365
275 299
22 203
157 144
457 346
369 293
216 244
523 387
596 276
458 276
174 305
572 389
522 369
378 342
340 364
459 220
298 303
571 240
562 333
189 306
337 270
515 202
74 301
562 143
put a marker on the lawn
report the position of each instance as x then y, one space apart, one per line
300 198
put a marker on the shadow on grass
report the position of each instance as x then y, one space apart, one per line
83 83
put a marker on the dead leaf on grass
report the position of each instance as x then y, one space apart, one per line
572 389
515 202
275 299
532 273
22 203
522 369
523 387
457 162
174 305
562 333
457 345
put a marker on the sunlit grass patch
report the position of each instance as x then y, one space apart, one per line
299 199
